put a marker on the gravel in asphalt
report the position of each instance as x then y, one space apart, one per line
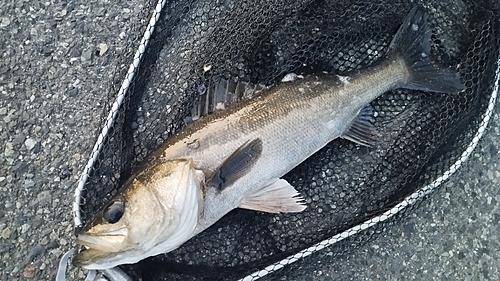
58 63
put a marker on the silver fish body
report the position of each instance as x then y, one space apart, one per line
236 157
293 120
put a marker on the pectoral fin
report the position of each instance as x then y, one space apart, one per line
362 131
278 197
237 164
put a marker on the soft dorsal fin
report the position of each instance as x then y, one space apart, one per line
236 165
278 197
362 131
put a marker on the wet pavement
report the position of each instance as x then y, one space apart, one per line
57 65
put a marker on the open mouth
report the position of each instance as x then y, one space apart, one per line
106 242
97 248
89 258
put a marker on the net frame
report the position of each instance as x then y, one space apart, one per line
413 199
113 112
408 201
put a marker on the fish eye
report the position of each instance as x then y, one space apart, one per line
114 211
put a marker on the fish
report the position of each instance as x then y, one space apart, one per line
236 157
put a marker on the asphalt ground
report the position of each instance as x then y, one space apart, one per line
58 63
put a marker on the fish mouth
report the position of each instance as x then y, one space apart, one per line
97 249
91 259
105 242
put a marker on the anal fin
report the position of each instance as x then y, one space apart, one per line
278 197
362 131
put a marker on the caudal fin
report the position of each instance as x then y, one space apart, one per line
412 43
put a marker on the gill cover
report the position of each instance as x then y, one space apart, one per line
160 212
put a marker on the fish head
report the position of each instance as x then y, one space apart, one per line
157 210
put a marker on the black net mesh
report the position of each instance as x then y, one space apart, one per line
423 135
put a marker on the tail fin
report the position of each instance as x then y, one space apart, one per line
412 43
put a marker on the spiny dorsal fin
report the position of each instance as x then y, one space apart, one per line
219 94
362 131
278 197
237 164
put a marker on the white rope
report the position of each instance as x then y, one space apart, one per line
408 201
134 66
114 112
